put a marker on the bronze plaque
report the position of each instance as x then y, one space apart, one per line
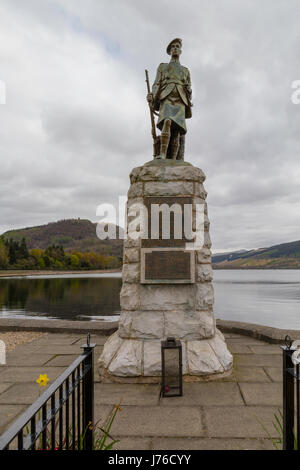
167 266
165 260
160 242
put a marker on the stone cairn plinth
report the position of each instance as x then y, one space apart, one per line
166 291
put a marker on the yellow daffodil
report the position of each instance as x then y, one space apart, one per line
42 380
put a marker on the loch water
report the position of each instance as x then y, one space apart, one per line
265 297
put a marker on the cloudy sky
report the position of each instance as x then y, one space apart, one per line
76 121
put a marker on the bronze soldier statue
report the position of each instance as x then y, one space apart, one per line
171 96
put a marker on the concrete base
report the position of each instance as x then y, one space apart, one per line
157 303
139 360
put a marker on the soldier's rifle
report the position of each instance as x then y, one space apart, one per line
152 112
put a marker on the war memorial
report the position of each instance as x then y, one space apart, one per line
80 370
167 274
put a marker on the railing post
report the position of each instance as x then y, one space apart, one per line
288 399
88 397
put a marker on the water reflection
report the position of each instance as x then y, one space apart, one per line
266 297
63 298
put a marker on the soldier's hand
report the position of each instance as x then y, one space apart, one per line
150 98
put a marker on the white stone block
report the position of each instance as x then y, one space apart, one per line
152 358
131 243
111 347
139 325
131 273
204 272
131 255
204 296
130 297
174 188
187 173
203 255
135 190
184 358
200 191
207 240
146 173
125 322
193 325
202 359
147 325
167 297
219 346
128 361
167 172
200 221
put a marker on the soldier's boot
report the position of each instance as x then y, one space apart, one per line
180 155
173 147
157 147
165 139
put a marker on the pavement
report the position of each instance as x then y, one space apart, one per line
229 413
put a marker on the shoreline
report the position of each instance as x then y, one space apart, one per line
232 268
44 272
29 272
262 332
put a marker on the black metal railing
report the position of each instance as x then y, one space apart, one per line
62 418
291 413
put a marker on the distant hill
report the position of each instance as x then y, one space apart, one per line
72 234
286 255
80 235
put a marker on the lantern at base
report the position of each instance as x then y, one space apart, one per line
171 368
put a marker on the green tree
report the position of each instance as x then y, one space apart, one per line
4 259
74 261
23 250
47 261
12 251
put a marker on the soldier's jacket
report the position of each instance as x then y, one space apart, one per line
168 77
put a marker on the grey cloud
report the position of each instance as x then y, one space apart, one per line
76 121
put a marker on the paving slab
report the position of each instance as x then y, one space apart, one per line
207 394
244 340
140 394
204 443
148 421
275 373
243 421
102 413
8 414
251 374
98 340
232 335
239 348
17 359
254 360
262 393
266 349
5 386
97 353
127 443
21 393
59 349
29 374
64 360
58 338
27 348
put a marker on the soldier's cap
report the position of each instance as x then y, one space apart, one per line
170 44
